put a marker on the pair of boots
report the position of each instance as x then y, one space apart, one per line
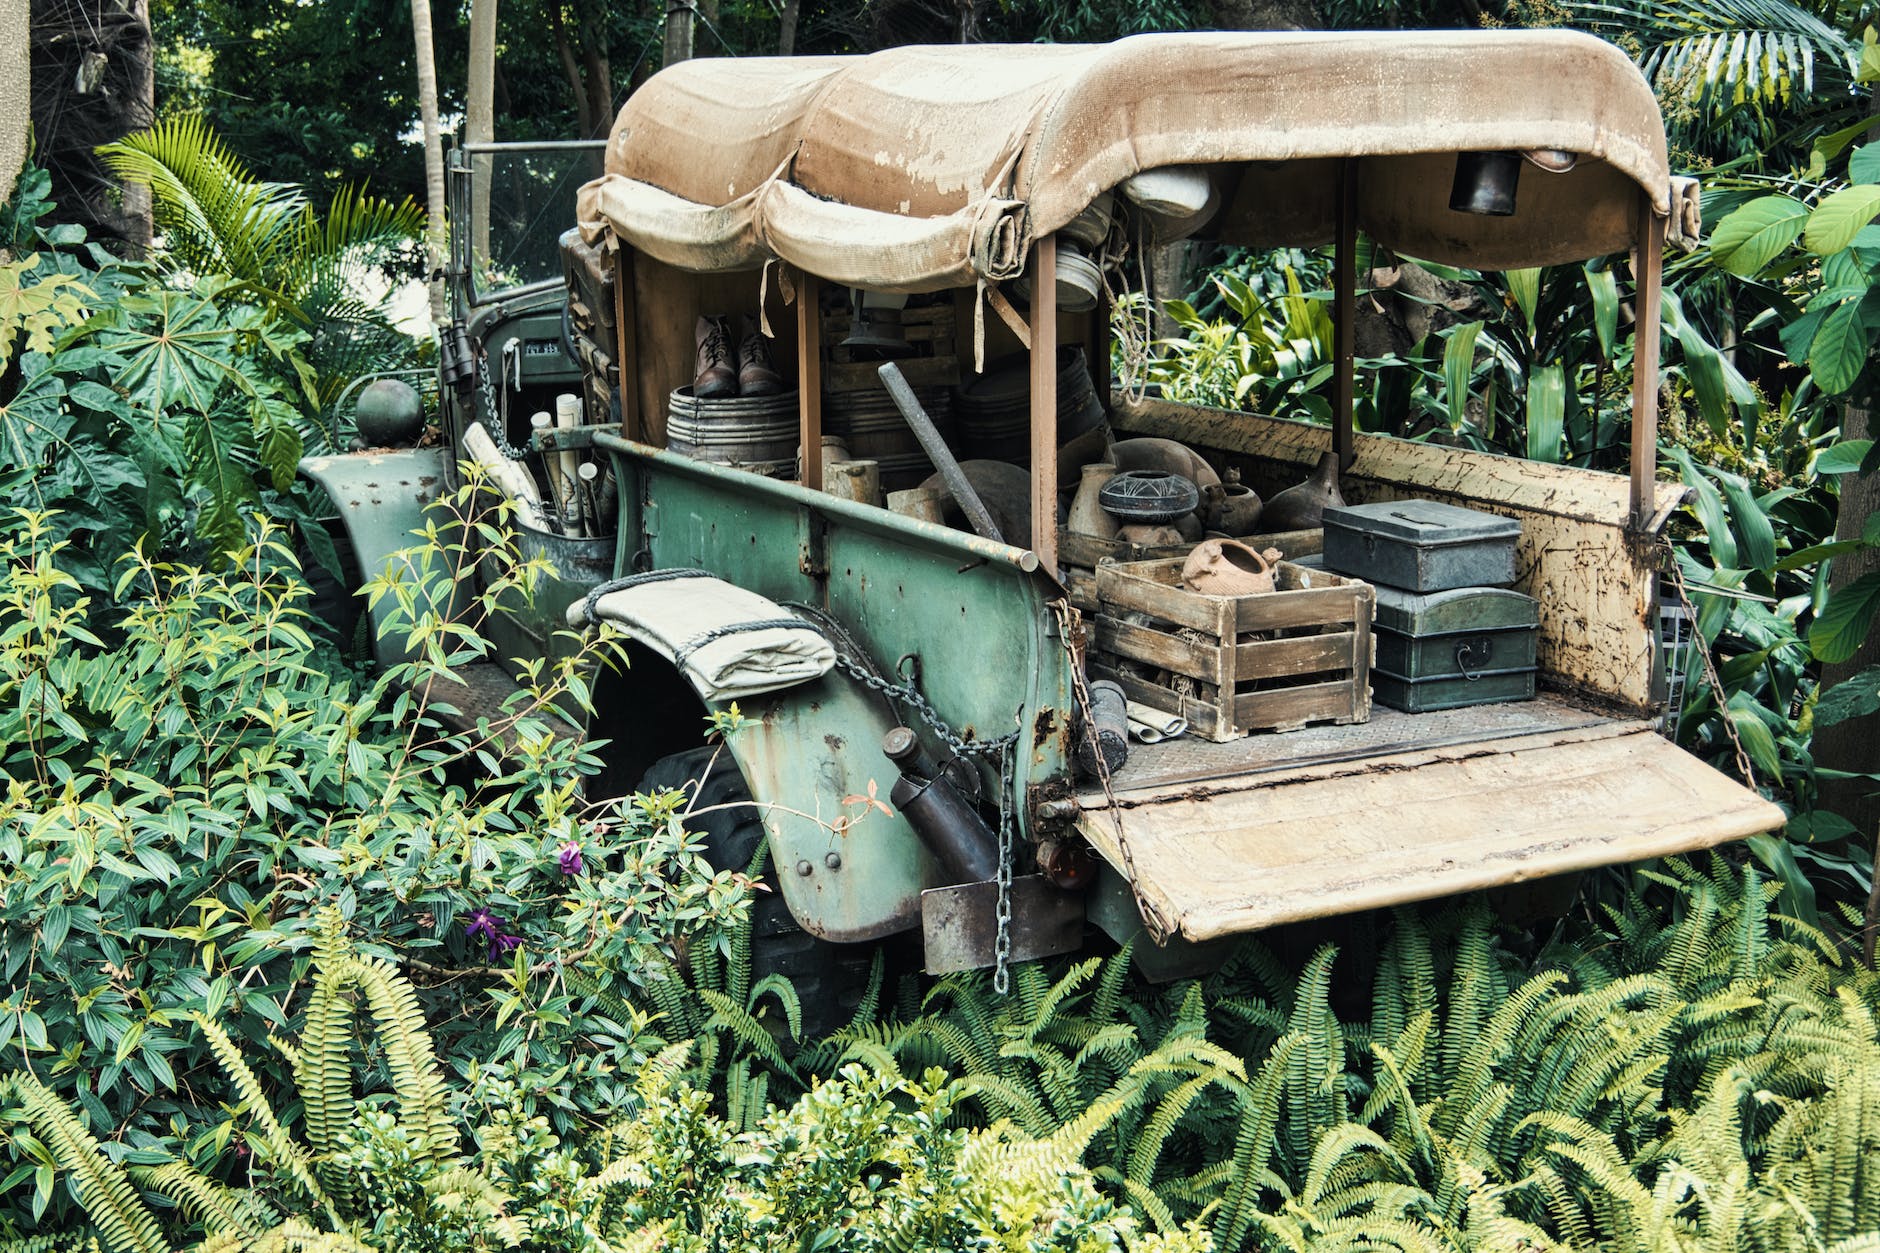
722 372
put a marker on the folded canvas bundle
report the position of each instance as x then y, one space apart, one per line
730 642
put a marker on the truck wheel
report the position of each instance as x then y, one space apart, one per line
829 978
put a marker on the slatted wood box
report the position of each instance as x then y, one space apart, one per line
1232 665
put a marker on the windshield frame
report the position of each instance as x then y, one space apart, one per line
460 177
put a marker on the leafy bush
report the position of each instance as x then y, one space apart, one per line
186 799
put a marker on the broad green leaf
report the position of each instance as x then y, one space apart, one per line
1756 234
1819 552
1798 890
1836 220
1844 457
1458 365
1756 535
1758 742
1837 633
1603 285
1546 413
1863 164
1854 697
1525 287
1707 502
1839 349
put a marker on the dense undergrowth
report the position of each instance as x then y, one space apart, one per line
290 965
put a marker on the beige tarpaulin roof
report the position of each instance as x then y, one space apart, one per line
927 167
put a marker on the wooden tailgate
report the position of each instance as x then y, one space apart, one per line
1241 854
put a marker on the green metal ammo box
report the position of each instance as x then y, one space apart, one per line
1444 650
1420 545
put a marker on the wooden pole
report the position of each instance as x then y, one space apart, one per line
627 343
1345 314
1044 485
479 113
809 377
1650 258
681 23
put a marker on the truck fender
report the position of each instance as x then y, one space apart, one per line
382 497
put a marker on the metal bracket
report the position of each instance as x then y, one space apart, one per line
959 925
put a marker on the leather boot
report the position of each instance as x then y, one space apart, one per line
757 374
717 367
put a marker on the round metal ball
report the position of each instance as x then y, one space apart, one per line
389 413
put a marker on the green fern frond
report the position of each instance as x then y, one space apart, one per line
109 1197
220 1209
417 1079
281 1146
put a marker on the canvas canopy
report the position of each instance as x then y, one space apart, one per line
921 168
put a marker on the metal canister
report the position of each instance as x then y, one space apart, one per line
950 827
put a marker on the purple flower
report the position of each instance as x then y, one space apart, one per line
569 857
488 926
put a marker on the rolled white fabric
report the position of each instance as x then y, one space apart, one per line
730 642
1151 726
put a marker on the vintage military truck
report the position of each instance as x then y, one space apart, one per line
779 188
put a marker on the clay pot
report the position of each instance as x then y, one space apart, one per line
1087 516
1149 453
1151 496
1150 535
1226 567
1233 508
1302 508
1004 488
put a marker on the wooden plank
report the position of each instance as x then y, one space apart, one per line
1288 707
1649 259
1280 611
1306 654
1077 549
1311 845
1345 311
1044 328
627 346
809 378
1203 719
1121 588
866 376
1160 649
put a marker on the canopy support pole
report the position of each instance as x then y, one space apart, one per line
627 342
1344 314
1098 350
1648 260
809 377
1044 402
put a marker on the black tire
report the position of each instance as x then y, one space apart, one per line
333 601
829 978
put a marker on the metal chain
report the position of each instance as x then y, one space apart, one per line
1159 930
1002 944
498 422
1711 677
1002 751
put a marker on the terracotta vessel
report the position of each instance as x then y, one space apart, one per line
1150 535
1233 508
1226 567
1087 515
1302 508
1149 453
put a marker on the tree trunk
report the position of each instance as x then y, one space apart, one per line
434 237
680 20
786 27
1849 745
479 115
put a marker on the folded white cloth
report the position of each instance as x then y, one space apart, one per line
730 642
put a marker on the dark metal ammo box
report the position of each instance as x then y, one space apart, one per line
1444 650
1420 545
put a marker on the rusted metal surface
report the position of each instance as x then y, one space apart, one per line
959 925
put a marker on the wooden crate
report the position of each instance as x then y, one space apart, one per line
1081 554
1273 662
